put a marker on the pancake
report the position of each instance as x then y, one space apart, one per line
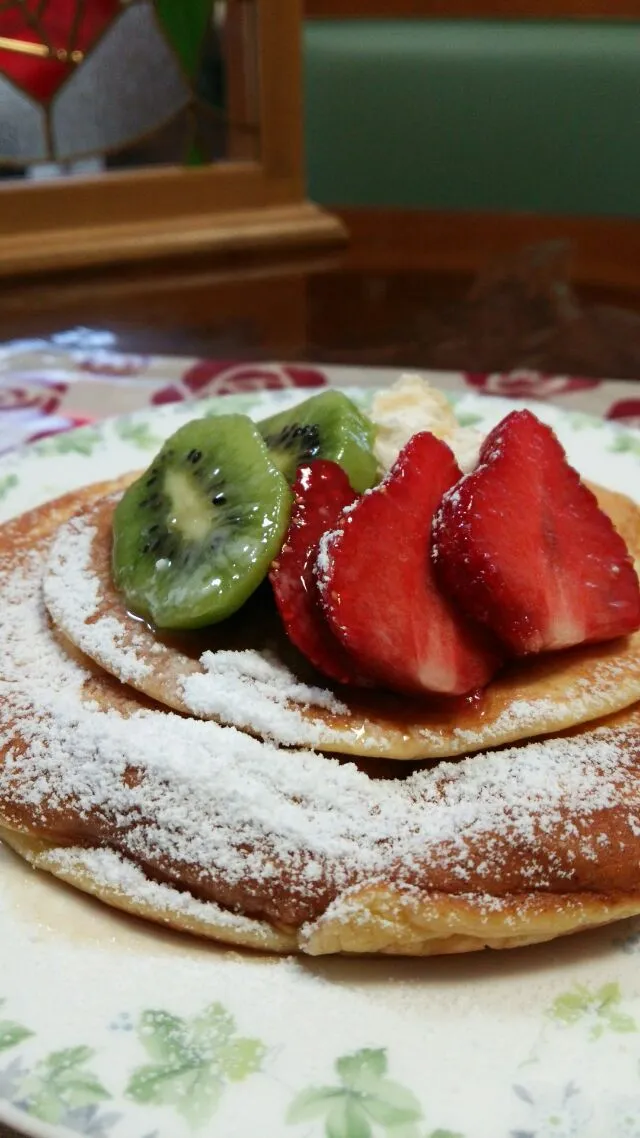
206 828
245 673
374 919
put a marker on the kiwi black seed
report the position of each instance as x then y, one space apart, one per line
329 426
196 534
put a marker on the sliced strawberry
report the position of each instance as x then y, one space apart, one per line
378 586
321 492
522 546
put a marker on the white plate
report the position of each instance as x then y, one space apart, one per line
116 1029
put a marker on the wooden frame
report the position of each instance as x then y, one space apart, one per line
243 94
473 9
155 212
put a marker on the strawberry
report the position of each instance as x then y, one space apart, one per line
522 546
321 491
378 586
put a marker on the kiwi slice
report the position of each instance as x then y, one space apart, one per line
329 426
194 537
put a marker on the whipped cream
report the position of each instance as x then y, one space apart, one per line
410 405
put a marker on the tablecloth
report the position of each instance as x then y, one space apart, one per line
51 386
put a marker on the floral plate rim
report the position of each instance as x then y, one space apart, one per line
136 427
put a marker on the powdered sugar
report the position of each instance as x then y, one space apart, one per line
265 692
249 689
304 474
331 538
238 812
233 681
107 870
523 717
324 557
72 595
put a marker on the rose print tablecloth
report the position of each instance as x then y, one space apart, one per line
51 386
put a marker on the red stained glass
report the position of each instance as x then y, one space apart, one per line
132 82
57 27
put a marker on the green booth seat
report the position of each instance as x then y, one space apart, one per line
474 115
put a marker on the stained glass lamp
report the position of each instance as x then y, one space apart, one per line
195 102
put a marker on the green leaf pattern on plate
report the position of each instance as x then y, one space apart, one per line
365 1103
467 419
137 432
60 1083
192 1060
9 482
11 1034
581 420
599 1009
626 442
83 441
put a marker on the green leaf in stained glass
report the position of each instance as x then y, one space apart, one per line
185 23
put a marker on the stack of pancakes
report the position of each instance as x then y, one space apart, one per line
213 783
